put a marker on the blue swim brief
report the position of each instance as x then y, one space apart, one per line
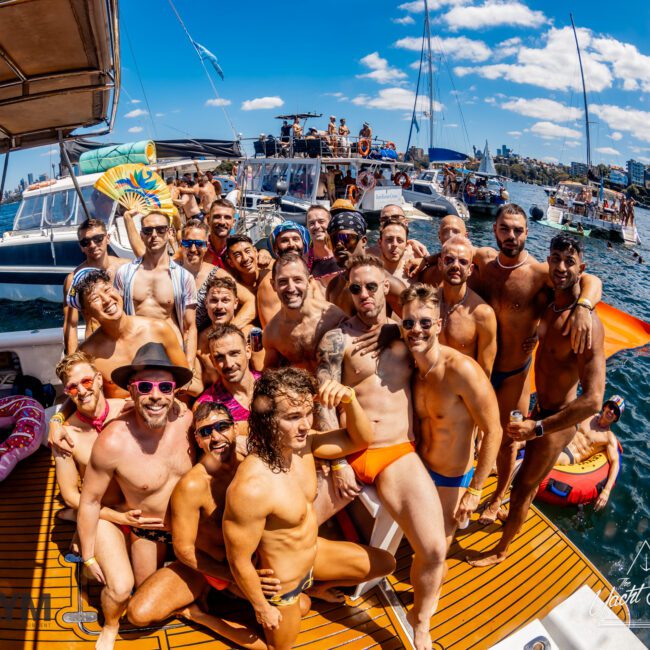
451 481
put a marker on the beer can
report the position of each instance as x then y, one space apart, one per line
516 416
255 339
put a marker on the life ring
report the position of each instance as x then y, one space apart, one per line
36 186
27 417
572 485
470 189
364 147
352 193
402 179
391 145
366 181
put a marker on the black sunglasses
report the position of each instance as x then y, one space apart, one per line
348 239
220 427
95 239
425 323
355 289
147 231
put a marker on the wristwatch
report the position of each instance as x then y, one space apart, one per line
539 429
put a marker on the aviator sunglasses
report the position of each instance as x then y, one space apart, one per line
147 231
355 289
425 323
220 427
73 389
188 243
95 239
146 387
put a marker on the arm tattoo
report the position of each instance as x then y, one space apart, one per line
330 366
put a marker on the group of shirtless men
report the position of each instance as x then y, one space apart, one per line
378 366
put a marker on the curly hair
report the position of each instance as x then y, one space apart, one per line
221 282
88 281
264 437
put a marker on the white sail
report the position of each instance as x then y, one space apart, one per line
487 164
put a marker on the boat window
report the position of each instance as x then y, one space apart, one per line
30 213
273 173
60 207
99 205
301 181
422 189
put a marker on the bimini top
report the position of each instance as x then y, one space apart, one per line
59 69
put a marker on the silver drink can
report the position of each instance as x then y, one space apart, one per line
255 339
516 416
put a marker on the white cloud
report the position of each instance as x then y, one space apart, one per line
260 103
391 99
492 14
159 115
616 136
627 62
551 159
135 101
135 129
381 72
406 20
514 134
629 120
218 101
549 130
460 47
340 97
608 151
572 143
639 149
553 66
507 48
136 112
542 109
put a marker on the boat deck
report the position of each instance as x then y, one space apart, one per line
478 606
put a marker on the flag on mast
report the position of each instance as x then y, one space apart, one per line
206 55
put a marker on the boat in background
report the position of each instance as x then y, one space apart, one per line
426 194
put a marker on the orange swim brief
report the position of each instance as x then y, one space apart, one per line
368 464
216 583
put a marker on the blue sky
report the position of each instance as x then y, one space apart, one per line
507 68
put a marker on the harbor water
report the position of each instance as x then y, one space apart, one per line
617 539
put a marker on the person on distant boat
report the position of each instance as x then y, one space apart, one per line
146 451
197 506
269 504
593 436
221 219
155 286
187 201
296 128
320 257
216 184
559 368
94 241
292 335
468 323
344 141
366 132
518 288
332 134
285 132
452 397
230 354
630 212
207 195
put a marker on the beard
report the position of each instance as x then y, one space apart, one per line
510 252
155 420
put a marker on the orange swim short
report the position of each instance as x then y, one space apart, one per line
368 464
216 583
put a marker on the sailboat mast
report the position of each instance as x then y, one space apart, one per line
584 93
427 36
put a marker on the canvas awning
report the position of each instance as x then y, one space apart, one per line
59 69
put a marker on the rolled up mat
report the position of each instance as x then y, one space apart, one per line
102 159
622 332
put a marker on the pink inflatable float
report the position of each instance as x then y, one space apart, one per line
26 417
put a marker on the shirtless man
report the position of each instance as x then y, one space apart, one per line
415 250
518 288
230 354
146 451
93 241
594 435
221 219
429 271
269 502
154 286
393 238
347 231
242 260
293 334
468 322
344 134
558 370
207 195
383 388
452 396
332 133
187 200
197 506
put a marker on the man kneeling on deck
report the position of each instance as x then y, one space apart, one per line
559 409
197 506
269 505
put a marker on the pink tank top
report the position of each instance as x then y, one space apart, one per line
217 393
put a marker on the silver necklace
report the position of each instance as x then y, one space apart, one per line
515 266
450 311
559 311
431 367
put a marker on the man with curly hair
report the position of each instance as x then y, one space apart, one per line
269 505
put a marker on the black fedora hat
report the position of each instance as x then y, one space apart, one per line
151 356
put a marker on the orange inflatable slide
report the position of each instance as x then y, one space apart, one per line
622 332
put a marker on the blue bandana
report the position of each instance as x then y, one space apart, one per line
285 226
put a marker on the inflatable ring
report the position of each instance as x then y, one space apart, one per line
572 485
366 181
470 189
352 193
402 179
391 145
364 147
27 417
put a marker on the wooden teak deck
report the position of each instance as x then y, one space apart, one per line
46 602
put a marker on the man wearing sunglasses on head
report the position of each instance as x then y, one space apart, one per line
157 287
197 507
94 242
146 451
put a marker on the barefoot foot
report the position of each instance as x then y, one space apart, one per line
330 595
490 513
190 613
420 633
107 637
486 559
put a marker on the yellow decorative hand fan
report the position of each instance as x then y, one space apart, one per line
136 187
